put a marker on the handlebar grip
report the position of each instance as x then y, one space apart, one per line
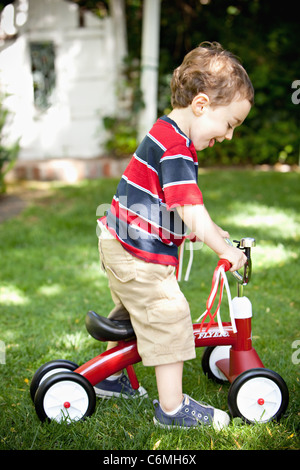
225 263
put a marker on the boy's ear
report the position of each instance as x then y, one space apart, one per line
199 103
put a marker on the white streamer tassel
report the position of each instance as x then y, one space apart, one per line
218 275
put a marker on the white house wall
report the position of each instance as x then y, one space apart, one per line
86 75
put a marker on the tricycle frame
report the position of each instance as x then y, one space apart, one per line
242 355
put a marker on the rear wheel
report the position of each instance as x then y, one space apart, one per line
47 369
258 395
65 396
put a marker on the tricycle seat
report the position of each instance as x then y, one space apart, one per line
104 329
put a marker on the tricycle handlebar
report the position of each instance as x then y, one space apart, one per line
244 244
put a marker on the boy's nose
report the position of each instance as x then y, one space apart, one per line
229 134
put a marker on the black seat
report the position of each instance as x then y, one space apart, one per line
104 329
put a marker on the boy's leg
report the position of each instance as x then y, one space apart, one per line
177 409
120 313
118 383
169 385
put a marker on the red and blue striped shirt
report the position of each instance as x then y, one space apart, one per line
162 175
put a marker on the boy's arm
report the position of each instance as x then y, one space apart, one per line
200 223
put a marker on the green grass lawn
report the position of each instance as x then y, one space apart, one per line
50 278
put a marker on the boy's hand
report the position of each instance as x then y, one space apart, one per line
235 256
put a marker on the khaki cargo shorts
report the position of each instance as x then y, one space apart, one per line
150 295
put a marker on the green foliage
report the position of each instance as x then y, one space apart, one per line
122 129
122 140
263 37
8 153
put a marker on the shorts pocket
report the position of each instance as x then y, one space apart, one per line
122 272
168 311
170 330
117 261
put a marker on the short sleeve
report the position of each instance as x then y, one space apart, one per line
179 177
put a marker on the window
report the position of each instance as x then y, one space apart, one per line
43 72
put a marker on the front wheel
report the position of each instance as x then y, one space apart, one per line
258 395
65 396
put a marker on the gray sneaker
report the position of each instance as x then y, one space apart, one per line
191 415
118 387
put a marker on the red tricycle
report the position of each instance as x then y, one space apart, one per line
63 391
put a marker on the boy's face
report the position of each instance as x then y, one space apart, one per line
211 124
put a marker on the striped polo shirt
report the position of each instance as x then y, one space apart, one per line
162 175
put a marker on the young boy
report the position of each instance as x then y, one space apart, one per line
157 199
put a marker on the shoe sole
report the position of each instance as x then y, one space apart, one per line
217 426
107 394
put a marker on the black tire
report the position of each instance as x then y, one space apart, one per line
212 353
53 398
258 395
51 367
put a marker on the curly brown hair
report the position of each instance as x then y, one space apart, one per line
211 70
